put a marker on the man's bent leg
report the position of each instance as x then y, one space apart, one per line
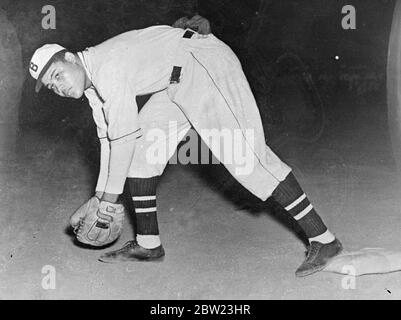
163 127
143 194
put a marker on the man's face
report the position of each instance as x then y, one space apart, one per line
66 78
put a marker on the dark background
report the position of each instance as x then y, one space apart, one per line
259 31
326 118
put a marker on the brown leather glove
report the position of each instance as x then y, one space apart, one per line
98 223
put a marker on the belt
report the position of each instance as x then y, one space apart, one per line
176 73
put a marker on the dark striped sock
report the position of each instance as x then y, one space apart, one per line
143 193
292 198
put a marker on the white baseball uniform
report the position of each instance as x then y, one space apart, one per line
212 95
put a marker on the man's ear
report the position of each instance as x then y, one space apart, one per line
70 57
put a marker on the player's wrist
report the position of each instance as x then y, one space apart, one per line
109 197
99 194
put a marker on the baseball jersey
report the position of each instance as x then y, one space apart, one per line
134 63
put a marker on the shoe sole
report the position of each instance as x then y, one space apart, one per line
114 261
317 269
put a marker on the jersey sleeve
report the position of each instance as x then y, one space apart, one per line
120 109
121 116
104 165
96 104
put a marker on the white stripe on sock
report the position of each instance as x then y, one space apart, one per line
144 198
304 212
296 202
324 238
148 241
145 210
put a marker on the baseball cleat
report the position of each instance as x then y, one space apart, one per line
318 256
132 251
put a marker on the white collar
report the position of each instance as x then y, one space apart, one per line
84 63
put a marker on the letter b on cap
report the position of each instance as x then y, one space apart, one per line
34 67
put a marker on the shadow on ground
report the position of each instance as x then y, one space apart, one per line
219 245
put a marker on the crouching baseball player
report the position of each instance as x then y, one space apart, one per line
197 82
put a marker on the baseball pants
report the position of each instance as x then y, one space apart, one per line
212 96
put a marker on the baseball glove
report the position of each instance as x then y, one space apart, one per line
98 223
196 23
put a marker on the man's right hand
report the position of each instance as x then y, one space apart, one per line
196 23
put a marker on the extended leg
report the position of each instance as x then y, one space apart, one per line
323 244
223 103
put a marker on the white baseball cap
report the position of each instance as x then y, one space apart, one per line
41 61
